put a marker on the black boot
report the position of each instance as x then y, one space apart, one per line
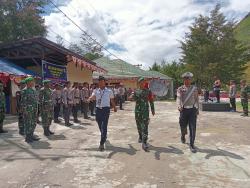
46 131
183 139
28 138
101 147
21 132
145 146
192 148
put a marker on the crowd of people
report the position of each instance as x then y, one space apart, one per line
48 101
232 94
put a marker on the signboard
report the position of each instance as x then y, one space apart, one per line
54 72
159 88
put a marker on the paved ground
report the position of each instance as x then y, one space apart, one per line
70 158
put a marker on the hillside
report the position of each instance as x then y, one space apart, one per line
242 33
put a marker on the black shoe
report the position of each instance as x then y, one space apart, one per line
192 149
145 147
34 138
46 131
92 114
86 117
28 139
57 121
183 139
3 131
139 140
101 147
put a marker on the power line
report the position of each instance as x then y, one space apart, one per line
84 32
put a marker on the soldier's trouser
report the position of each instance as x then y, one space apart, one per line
20 122
233 103
74 111
85 109
66 114
2 116
57 109
92 107
30 122
217 95
188 117
142 122
244 103
81 107
102 118
46 116
120 101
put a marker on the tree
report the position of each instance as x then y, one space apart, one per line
76 48
172 69
59 40
21 19
210 49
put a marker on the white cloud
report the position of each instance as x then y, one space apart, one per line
149 30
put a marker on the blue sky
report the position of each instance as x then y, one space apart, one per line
137 31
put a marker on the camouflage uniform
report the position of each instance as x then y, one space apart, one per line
143 98
30 107
46 108
2 108
19 111
244 99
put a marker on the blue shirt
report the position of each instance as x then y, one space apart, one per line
103 97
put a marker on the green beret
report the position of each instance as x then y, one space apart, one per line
29 79
46 81
22 82
141 79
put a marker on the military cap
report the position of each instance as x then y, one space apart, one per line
187 75
29 79
101 78
46 81
22 82
141 79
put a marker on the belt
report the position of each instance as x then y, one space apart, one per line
100 108
188 107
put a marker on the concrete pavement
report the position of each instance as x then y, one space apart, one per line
71 158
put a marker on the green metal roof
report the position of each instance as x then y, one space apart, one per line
120 69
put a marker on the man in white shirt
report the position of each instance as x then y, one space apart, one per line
103 96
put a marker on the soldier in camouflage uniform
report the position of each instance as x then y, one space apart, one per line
244 97
47 108
30 105
21 86
143 97
2 108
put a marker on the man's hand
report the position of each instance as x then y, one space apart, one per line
180 109
197 113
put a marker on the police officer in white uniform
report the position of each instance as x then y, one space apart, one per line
103 97
188 105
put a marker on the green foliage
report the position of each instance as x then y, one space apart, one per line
210 49
21 19
172 69
92 56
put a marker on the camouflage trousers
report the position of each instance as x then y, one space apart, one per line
47 116
20 122
142 122
29 119
244 103
2 116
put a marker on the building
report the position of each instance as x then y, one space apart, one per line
30 54
122 72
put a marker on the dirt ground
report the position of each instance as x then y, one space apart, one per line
70 158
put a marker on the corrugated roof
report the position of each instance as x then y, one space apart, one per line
120 69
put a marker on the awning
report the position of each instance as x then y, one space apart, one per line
9 70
